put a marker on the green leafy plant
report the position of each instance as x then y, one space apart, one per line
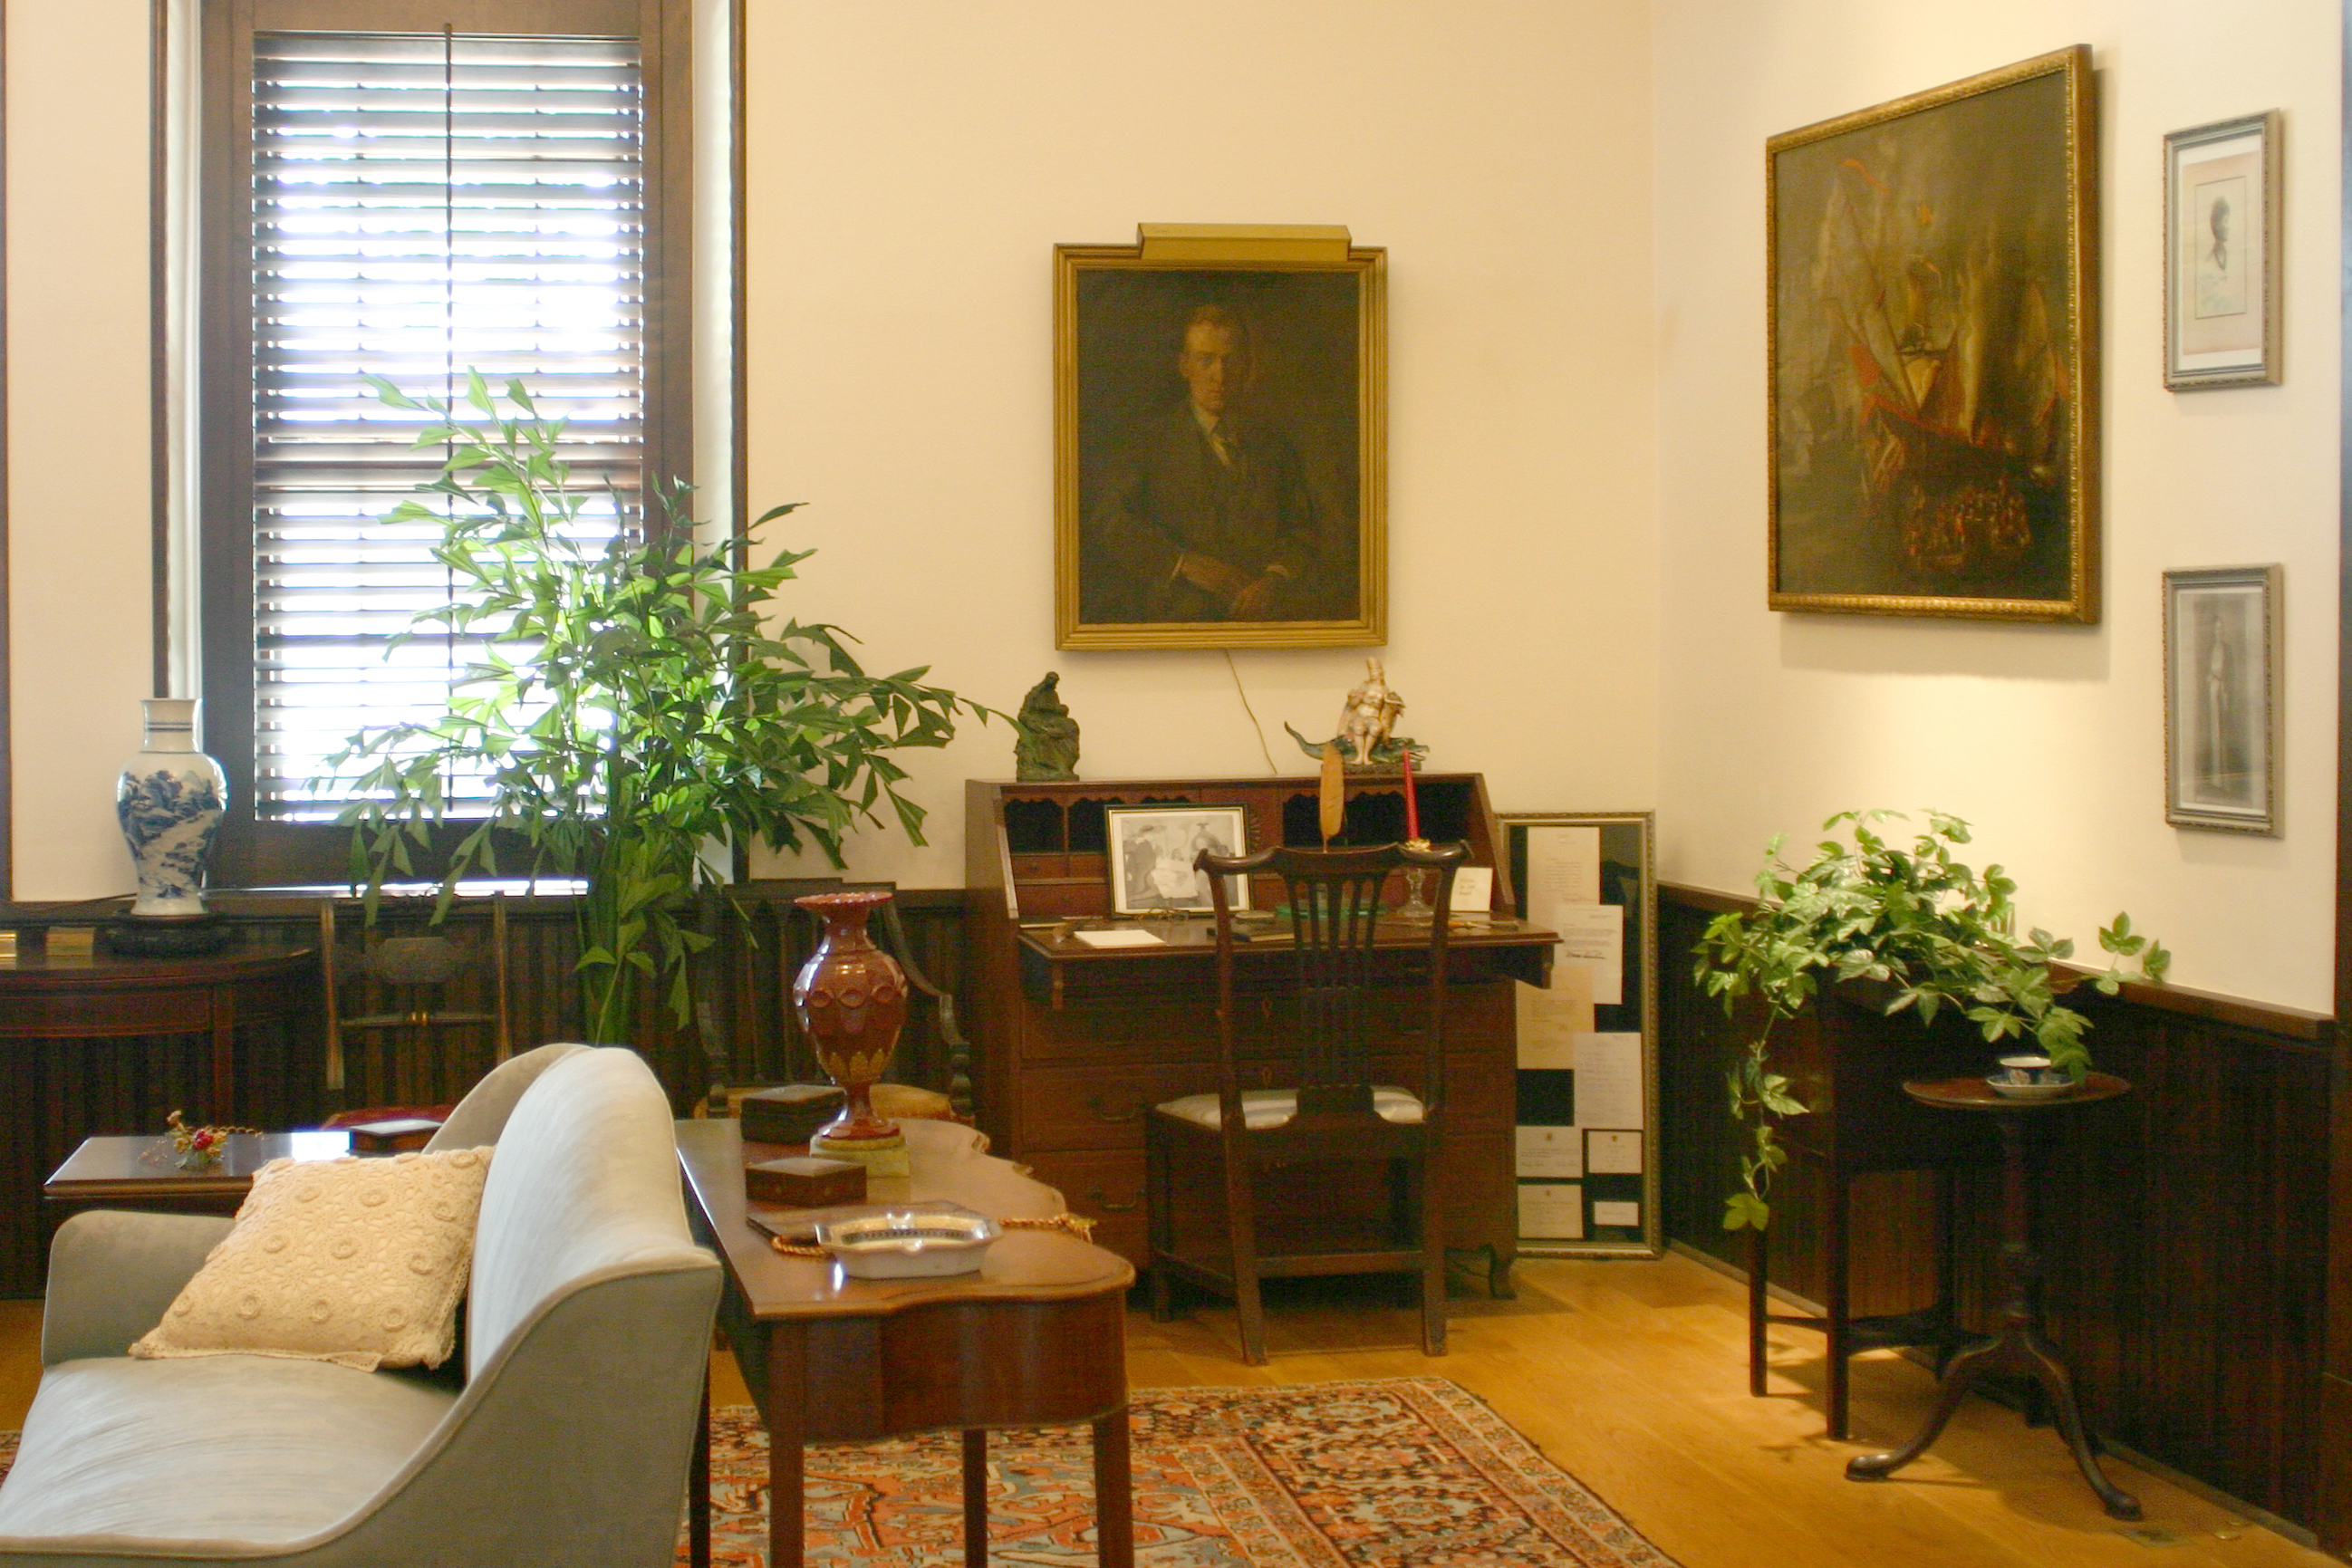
1913 917
636 704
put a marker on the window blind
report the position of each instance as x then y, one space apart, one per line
421 204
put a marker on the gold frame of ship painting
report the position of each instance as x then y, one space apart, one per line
1299 456
1933 310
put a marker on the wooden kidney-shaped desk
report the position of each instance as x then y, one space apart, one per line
1037 1337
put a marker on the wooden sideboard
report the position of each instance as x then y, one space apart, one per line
1073 1043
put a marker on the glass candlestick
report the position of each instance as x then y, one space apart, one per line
1415 909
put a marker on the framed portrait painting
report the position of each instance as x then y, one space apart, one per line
1220 435
2222 253
1151 849
2221 674
1933 310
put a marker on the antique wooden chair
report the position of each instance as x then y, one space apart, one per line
1326 1037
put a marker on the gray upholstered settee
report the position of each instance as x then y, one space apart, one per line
564 1446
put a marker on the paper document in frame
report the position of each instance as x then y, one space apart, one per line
1609 1080
1550 1020
1551 1152
1551 1211
1607 1213
1610 1153
1563 865
1591 937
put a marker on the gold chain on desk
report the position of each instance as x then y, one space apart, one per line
1068 1224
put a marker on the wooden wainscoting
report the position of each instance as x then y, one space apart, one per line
2186 1225
65 1089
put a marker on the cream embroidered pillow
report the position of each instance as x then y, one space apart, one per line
356 1261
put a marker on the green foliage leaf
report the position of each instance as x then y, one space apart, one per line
1869 906
642 696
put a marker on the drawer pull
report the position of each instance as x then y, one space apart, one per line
1110 1207
1133 1113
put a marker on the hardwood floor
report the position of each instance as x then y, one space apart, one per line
1632 1376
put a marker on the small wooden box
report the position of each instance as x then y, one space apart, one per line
789 1113
804 1182
390 1137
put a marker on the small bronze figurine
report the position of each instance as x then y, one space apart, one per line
1046 750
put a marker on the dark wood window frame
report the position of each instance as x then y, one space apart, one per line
251 853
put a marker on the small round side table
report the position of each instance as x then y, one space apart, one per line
2019 1347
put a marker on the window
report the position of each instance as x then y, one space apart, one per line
409 203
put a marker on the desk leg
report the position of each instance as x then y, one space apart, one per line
787 1430
698 1485
1114 1494
975 1498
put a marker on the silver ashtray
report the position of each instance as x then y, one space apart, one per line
909 1243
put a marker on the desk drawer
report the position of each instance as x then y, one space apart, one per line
1106 1187
1137 1032
1100 1107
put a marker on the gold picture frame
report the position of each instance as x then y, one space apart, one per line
2222 196
1220 440
1933 310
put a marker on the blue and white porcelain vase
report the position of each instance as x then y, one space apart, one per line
170 799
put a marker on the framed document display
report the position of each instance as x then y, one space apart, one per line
1587 1069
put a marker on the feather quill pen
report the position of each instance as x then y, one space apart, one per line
1334 797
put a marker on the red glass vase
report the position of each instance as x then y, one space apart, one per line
851 1001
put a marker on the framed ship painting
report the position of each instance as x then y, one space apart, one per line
1933 308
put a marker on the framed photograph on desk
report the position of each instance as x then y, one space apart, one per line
1586 1126
1151 850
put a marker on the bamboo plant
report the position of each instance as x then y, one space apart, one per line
636 701
1914 917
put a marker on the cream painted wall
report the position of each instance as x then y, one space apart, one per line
2049 740
80 561
912 166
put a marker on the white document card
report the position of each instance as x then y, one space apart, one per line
1552 1152
1552 1211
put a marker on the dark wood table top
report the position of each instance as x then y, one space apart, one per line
126 1169
41 971
1976 1094
950 1162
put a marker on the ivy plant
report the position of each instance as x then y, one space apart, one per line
1910 915
639 700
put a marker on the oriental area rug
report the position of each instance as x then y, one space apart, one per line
1405 1472
1408 1472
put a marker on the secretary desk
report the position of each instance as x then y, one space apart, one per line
1073 1043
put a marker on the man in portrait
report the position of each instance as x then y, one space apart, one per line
1205 512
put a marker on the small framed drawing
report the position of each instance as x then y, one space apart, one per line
1151 850
2220 698
2222 253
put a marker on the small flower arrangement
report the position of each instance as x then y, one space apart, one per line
199 1147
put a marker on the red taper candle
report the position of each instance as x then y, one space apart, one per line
1411 800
